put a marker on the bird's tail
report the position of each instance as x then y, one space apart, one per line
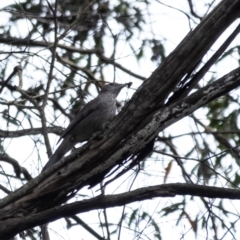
63 148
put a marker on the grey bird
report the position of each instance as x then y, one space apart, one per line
89 120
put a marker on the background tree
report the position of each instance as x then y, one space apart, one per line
66 50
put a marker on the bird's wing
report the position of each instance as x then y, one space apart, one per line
83 113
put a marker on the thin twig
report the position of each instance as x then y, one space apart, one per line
4 189
15 71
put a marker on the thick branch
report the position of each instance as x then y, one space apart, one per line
108 201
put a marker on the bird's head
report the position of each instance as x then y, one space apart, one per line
114 88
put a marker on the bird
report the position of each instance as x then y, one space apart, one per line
93 117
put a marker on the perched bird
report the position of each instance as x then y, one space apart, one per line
90 119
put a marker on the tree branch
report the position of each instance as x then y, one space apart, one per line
29 131
99 53
109 201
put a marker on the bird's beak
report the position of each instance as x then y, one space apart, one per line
127 85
